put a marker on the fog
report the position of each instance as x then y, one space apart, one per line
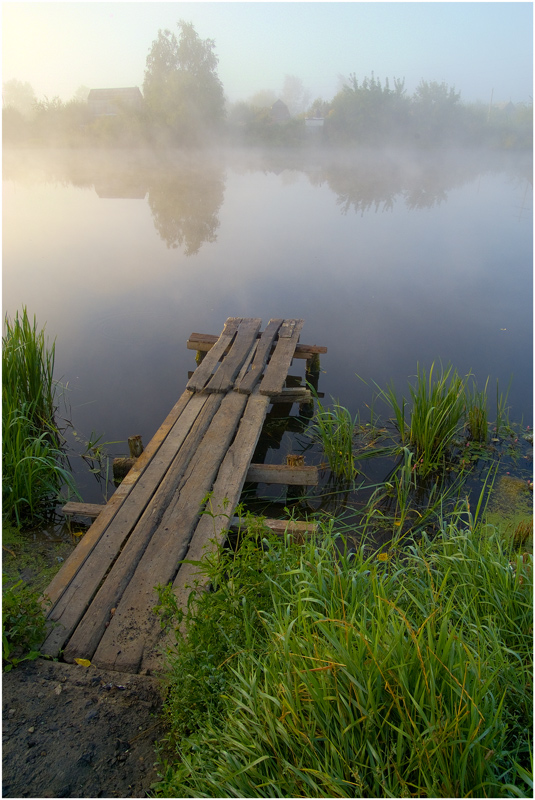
482 49
386 200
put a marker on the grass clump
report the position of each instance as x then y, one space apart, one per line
436 415
364 677
334 428
33 463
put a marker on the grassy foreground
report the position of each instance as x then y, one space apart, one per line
310 673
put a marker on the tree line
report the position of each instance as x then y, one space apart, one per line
184 105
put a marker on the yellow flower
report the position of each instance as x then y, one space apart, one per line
382 557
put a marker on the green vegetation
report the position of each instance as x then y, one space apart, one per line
23 625
185 106
310 672
33 463
335 428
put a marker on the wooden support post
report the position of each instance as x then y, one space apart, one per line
135 446
122 466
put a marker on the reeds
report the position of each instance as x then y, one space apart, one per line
334 428
476 414
369 678
33 463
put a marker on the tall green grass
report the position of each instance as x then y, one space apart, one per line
334 428
355 677
33 463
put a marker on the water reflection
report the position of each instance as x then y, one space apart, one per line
186 191
185 205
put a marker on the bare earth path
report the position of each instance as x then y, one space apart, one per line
73 731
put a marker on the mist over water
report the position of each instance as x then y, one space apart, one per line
393 258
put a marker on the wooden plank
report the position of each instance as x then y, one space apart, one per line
161 479
223 379
205 341
265 344
284 474
210 530
277 369
204 371
278 526
83 549
91 510
293 396
122 645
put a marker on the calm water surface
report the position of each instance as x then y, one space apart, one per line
392 260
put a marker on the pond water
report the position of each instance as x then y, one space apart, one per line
392 259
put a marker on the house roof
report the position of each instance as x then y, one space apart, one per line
279 111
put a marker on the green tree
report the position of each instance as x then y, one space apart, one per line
369 112
437 113
182 89
19 96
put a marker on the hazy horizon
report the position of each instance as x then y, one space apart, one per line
483 49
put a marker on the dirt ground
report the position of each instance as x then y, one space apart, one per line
74 731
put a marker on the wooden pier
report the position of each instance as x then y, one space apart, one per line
101 603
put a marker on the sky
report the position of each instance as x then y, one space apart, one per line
482 49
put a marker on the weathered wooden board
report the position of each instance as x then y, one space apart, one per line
160 479
224 498
122 644
83 549
91 510
279 526
297 395
205 341
279 363
283 474
223 379
89 632
205 369
103 598
265 344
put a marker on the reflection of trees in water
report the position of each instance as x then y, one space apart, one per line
185 193
375 184
185 206
373 180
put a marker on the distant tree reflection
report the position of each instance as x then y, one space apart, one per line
185 203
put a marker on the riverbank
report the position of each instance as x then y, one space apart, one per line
74 731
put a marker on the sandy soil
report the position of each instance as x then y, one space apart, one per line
73 731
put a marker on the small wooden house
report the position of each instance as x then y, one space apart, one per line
110 102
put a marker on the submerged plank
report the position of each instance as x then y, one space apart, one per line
283 474
122 644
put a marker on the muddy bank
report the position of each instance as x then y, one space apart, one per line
72 731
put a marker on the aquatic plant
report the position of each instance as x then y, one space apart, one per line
476 413
34 468
334 427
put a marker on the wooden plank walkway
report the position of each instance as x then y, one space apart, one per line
102 600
